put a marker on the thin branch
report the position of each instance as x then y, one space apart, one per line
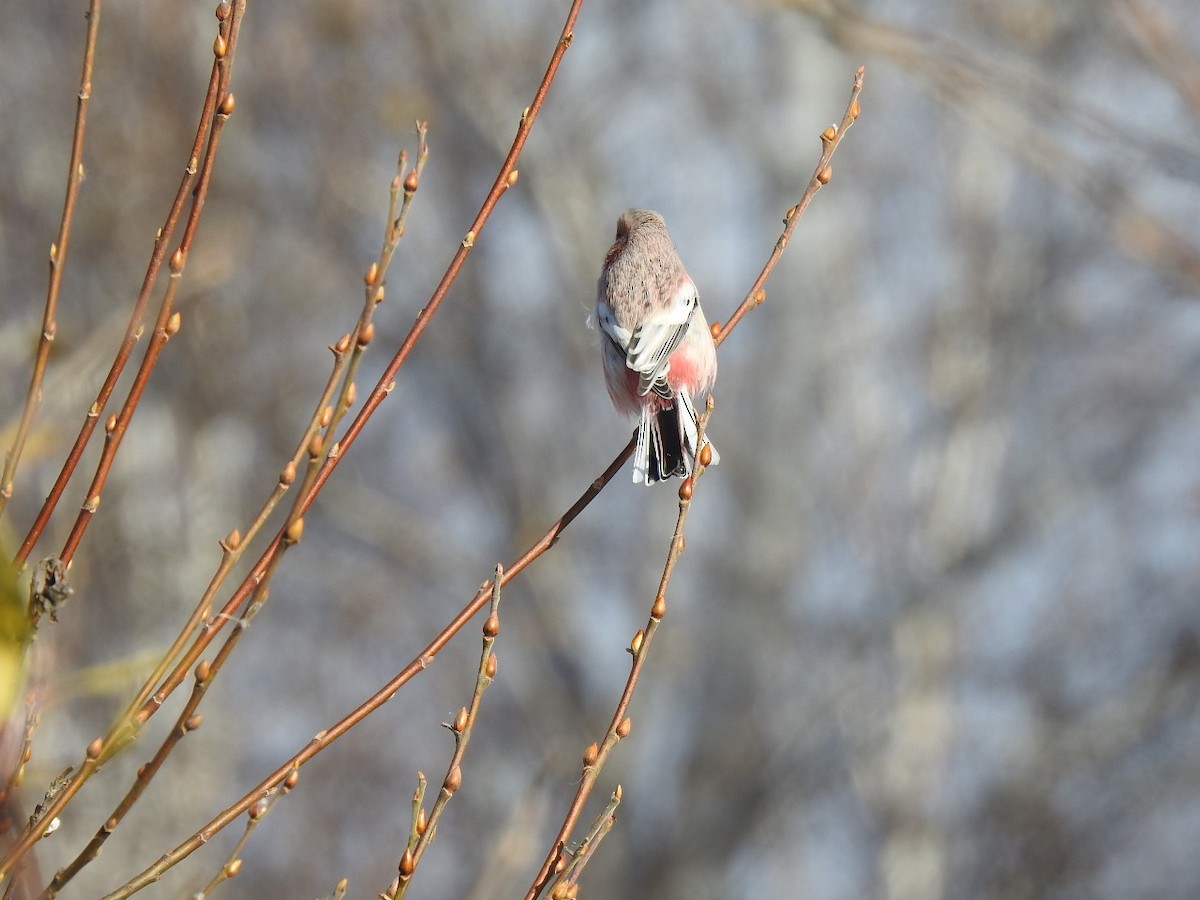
58 260
830 139
596 754
217 90
567 882
427 656
422 661
233 860
212 118
223 49
347 352
505 179
424 829
619 725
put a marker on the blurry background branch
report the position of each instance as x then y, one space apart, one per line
1047 125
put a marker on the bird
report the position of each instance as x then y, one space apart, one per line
658 353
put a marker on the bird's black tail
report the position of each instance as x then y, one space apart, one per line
666 443
667 458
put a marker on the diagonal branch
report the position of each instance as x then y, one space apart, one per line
830 139
557 860
211 117
218 85
58 260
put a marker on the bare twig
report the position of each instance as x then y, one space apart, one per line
620 724
421 662
595 756
566 883
233 860
831 137
424 829
347 351
168 321
217 94
58 259
505 179
426 657
212 118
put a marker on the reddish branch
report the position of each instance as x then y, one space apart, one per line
58 260
206 130
218 104
505 179
288 771
557 858
425 658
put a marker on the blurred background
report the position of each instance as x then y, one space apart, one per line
935 634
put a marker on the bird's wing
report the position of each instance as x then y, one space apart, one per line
607 320
649 348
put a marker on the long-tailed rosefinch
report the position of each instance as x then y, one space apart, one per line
659 357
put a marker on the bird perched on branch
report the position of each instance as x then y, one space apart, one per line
659 356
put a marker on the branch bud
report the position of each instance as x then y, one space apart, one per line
491 627
295 531
685 489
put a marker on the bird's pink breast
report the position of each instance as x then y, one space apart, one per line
685 372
